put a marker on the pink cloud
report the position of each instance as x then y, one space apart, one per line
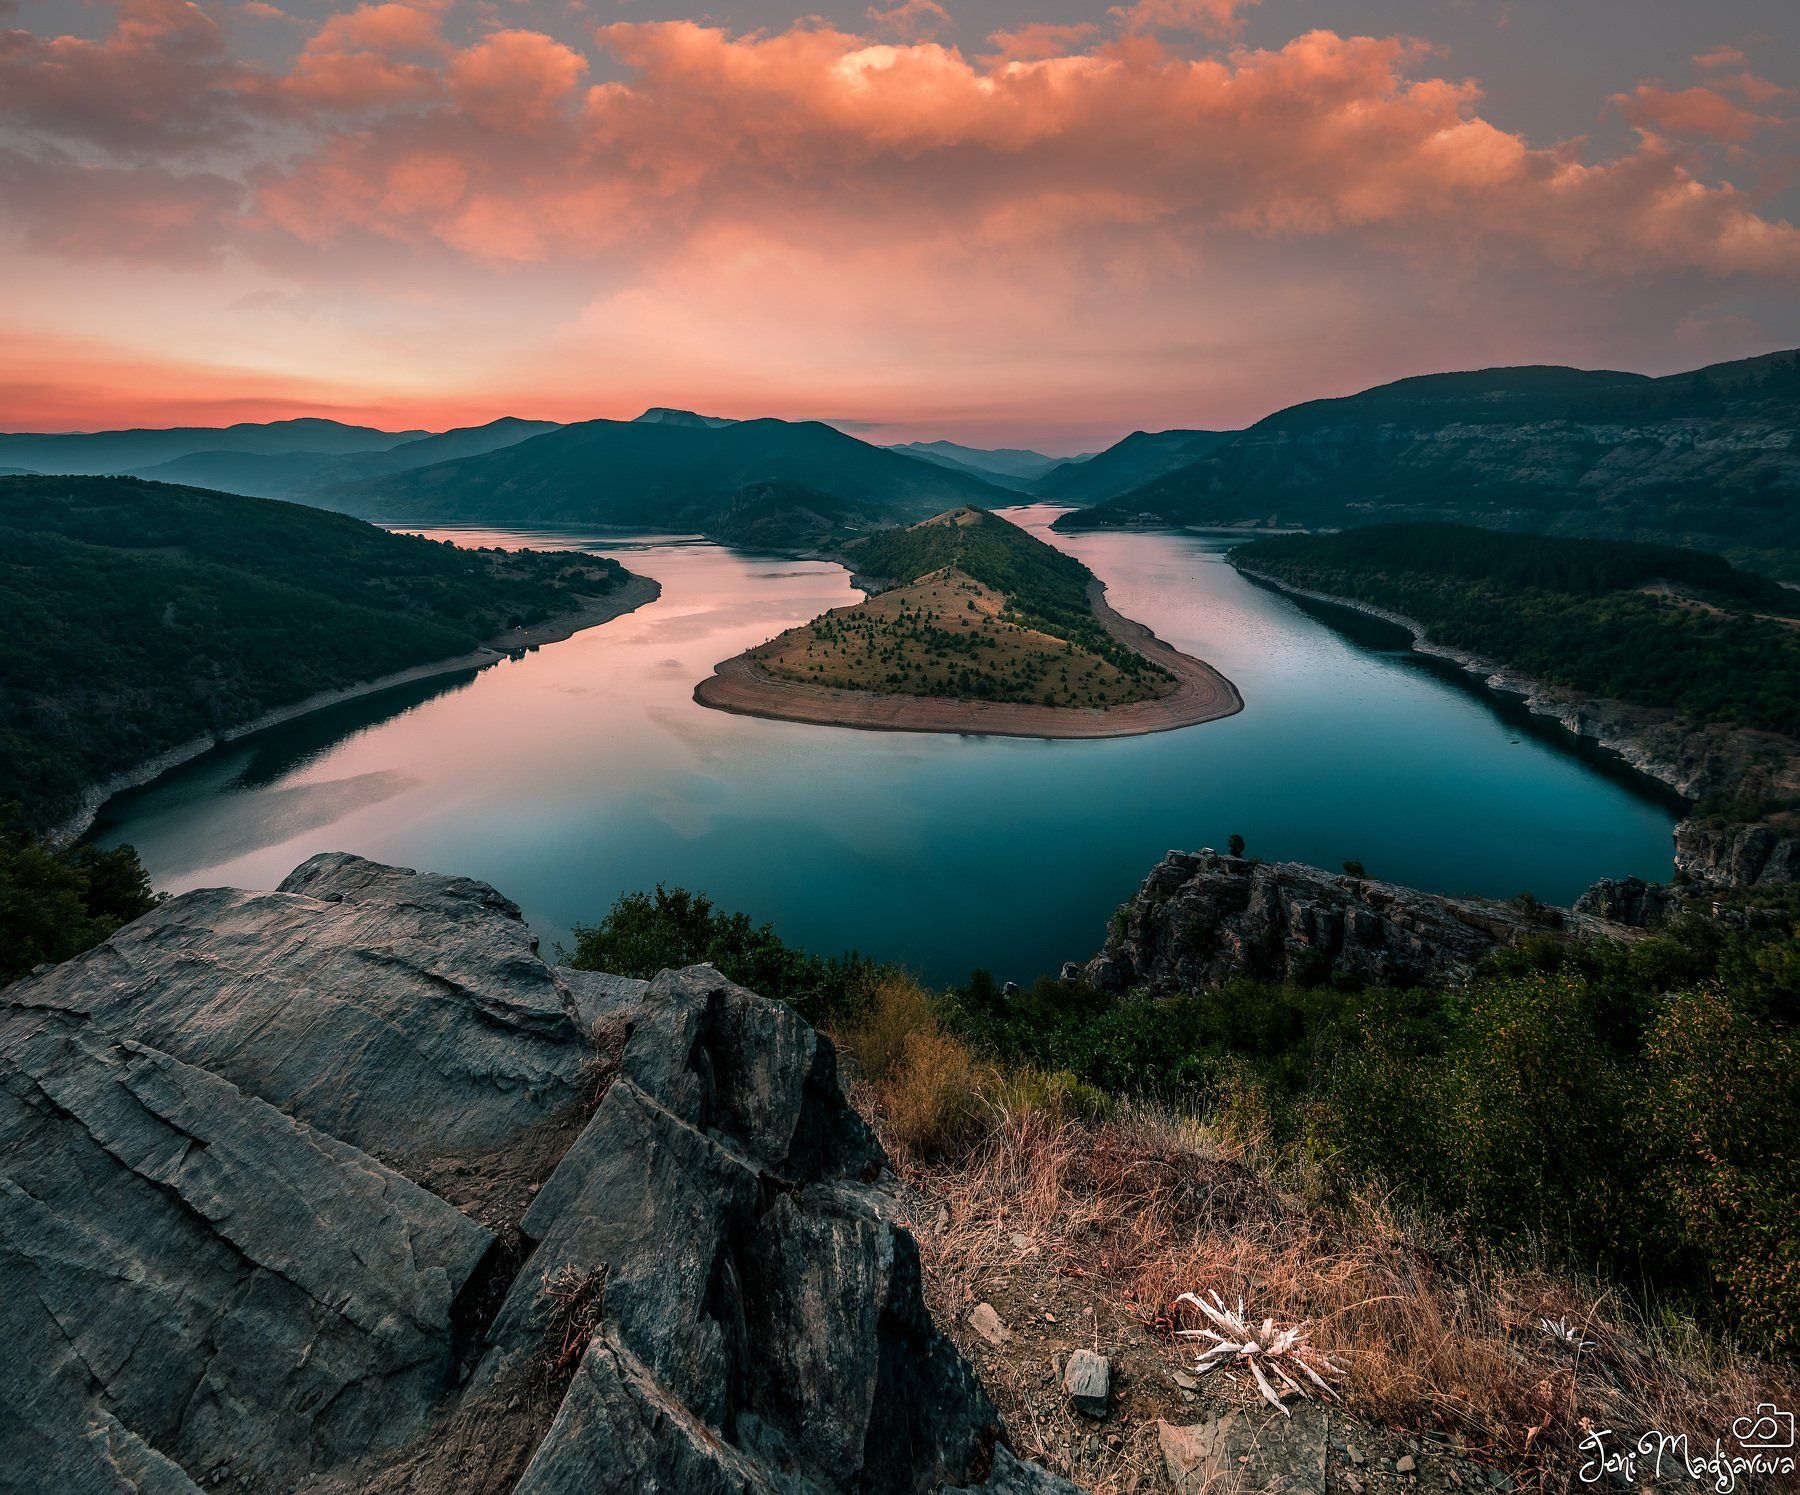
1204 17
1693 112
373 57
515 80
161 78
912 20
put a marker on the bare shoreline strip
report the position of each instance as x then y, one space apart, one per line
636 591
1201 694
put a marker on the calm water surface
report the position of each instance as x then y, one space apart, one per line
585 768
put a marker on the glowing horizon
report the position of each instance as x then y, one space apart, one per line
1045 231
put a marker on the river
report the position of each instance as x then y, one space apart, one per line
585 768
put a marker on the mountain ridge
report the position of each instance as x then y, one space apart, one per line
1706 458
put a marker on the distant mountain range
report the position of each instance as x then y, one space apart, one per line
102 452
1011 467
1127 464
1707 459
787 481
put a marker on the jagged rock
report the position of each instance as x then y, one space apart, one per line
195 1276
1087 1379
198 1277
1721 855
1202 917
1630 901
761 1312
428 1023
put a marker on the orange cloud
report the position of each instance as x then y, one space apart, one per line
160 79
814 133
1205 17
1694 112
373 57
818 207
912 20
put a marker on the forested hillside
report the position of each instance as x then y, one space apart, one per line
135 616
1706 459
1652 624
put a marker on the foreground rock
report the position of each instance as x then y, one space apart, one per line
208 1279
1201 918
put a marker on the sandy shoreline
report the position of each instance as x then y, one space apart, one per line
1201 694
636 591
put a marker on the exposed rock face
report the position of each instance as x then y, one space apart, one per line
209 1281
1201 918
1723 855
401 1011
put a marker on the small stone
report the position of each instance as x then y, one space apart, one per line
1088 1381
1353 1484
1496 1479
1355 1455
943 1219
1020 1241
986 1322
1406 1464
1186 1382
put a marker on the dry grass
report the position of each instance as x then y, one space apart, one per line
927 1085
1090 1215
895 642
1137 1210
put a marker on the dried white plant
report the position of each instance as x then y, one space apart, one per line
1262 1349
1564 1332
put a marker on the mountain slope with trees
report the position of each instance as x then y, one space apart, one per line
137 616
1651 624
664 473
1706 459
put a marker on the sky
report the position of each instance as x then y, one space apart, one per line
1021 222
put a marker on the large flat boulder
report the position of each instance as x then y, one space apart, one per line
402 1011
192 1276
229 1142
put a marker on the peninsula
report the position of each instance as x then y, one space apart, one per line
972 625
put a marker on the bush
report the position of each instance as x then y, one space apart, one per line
644 933
56 902
1718 1120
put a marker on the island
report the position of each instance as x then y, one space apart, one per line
973 626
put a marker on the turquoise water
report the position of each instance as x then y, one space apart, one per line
585 768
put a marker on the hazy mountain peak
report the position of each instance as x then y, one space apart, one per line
664 415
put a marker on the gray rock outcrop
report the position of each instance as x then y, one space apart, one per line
689 1277
1201 918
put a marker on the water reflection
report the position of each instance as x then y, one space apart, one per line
585 768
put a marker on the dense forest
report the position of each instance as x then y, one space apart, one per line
135 616
1652 624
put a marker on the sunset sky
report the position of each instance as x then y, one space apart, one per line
1039 222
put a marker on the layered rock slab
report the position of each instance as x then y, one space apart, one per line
214 1283
405 1012
193 1276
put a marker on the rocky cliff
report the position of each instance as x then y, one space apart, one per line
1201 918
343 1188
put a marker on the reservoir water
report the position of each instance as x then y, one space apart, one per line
585 768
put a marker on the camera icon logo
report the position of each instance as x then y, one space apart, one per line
1767 1427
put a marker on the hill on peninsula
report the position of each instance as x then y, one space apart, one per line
1706 459
137 616
670 473
970 607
